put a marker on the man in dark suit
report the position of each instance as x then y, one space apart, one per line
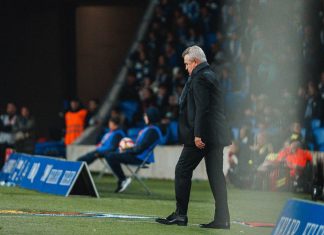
204 132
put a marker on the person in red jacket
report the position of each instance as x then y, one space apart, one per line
294 157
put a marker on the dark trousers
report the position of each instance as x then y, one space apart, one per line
115 159
188 161
89 157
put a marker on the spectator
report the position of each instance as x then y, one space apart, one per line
130 88
261 148
206 21
243 174
109 142
141 66
25 135
147 98
294 157
171 56
261 58
162 99
74 121
162 77
92 109
300 104
295 135
226 80
146 140
193 38
313 110
321 86
234 48
172 110
178 81
8 126
230 160
191 9
116 112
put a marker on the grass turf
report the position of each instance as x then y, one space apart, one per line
245 205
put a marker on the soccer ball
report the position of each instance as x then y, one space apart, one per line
125 143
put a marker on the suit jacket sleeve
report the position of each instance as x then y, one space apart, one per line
201 89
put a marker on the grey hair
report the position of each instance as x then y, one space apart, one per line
195 52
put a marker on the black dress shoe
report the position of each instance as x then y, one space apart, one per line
174 218
216 225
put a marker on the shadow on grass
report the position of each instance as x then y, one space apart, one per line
161 189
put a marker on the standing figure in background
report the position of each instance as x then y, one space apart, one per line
25 135
92 108
74 121
313 110
8 125
244 171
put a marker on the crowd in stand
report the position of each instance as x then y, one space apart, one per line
17 130
270 81
269 64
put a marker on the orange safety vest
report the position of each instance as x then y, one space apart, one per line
74 122
294 160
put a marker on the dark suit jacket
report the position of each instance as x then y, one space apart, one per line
202 109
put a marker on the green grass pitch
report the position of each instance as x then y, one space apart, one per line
245 205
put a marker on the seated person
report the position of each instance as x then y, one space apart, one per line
296 133
230 160
260 149
147 139
294 157
108 143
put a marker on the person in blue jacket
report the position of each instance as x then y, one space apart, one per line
147 139
108 143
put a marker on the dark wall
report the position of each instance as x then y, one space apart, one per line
104 35
38 56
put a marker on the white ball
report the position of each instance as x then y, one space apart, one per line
125 143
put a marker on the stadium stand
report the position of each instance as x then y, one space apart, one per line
264 90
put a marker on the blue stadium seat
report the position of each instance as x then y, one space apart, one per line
210 39
319 136
129 108
311 146
316 123
233 103
236 133
165 137
303 133
173 132
133 133
321 148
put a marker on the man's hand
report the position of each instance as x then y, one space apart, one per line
199 144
